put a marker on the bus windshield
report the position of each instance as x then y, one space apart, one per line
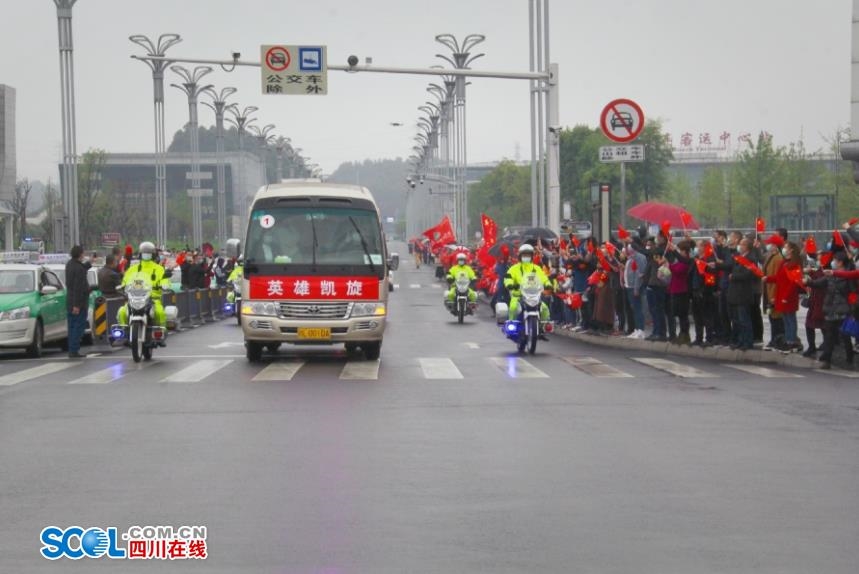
316 237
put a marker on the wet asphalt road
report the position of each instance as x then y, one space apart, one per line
454 456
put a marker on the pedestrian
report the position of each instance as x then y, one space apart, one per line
109 278
788 282
657 285
836 308
636 264
679 263
704 303
125 263
739 295
77 300
815 318
772 262
755 256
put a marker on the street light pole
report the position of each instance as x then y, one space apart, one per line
263 137
461 59
69 181
219 106
192 88
165 41
241 120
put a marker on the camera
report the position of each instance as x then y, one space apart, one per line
352 61
236 56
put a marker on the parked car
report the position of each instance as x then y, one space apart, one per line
32 308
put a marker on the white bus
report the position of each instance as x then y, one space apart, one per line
315 269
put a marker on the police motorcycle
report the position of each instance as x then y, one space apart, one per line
140 334
460 306
527 327
233 304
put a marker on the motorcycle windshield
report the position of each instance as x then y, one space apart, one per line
139 287
462 282
532 289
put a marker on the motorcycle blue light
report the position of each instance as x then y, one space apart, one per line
117 333
511 327
228 307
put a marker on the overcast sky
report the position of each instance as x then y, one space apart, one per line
702 67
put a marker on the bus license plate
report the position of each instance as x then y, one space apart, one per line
316 333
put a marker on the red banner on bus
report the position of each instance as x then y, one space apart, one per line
314 287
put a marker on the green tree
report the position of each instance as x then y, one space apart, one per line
504 194
760 173
18 205
92 207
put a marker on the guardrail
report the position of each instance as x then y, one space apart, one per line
194 307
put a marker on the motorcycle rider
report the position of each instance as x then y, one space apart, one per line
461 267
515 275
154 273
234 278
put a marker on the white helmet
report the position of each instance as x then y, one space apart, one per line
526 248
461 256
147 247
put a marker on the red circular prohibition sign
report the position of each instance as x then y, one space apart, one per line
611 110
275 61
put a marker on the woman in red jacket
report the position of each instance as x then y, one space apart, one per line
788 285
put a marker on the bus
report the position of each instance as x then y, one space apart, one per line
315 269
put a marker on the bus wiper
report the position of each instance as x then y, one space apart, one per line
363 244
315 241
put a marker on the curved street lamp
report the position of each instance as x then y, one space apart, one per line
219 106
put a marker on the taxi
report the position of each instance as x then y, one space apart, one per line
32 308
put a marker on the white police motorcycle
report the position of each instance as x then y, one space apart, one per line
460 306
140 334
526 328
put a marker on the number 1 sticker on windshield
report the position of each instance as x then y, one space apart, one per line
266 221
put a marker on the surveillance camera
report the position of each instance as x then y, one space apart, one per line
554 129
352 61
236 56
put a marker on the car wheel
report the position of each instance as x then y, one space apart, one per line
34 351
372 350
253 351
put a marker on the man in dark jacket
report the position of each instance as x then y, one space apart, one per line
77 300
740 296
108 278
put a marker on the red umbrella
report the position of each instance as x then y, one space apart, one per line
655 212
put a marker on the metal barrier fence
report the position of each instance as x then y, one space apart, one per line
194 307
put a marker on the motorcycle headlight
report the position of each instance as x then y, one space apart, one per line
260 308
12 314
367 309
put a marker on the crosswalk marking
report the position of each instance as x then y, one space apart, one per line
197 371
764 372
439 368
838 373
34 373
595 368
435 285
283 371
676 369
110 374
472 345
360 371
414 286
518 368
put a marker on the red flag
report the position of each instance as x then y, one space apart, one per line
441 234
685 217
603 261
838 240
609 246
622 233
562 245
708 250
634 265
666 228
702 266
597 277
853 221
749 265
760 225
575 241
810 245
795 274
590 247
852 297
490 230
825 258
505 250
575 300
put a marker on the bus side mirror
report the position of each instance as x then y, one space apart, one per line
394 261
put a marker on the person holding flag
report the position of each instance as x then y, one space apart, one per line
772 262
740 293
789 282
836 283
704 305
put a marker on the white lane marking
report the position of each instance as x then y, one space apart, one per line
595 368
439 368
227 344
472 345
764 372
435 285
518 368
838 373
197 371
360 371
414 286
34 372
396 286
676 369
110 374
279 371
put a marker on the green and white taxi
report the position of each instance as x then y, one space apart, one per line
32 308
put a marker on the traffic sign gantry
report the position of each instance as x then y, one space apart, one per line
294 70
622 120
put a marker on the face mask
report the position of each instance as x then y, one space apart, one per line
526 259
695 252
785 253
738 249
146 256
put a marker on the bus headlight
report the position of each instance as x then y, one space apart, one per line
368 309
260 308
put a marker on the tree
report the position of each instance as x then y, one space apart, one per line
92 209
504 194
18 205
760 173
53 207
